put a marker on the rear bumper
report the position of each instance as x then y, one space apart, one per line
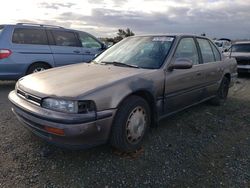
11 71
76 134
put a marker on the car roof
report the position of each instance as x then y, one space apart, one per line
242 42
170 34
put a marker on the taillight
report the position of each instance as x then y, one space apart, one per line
4 53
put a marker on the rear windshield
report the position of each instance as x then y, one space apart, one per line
1 28
241 48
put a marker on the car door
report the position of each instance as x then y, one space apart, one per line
212 65
90 46
65 47
184 87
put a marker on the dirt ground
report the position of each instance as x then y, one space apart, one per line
204 146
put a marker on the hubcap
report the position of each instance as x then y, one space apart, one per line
38 69
136 125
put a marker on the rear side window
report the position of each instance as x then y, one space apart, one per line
216 52
29 36
65 38
206 51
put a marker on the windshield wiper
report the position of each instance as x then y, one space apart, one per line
118 64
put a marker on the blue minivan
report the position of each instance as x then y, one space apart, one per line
28 48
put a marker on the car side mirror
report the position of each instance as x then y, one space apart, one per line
181 63
104 46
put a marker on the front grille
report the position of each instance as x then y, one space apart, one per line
243 61
30 98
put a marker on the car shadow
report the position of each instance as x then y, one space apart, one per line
7 85
244 75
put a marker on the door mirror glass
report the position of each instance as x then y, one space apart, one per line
181 63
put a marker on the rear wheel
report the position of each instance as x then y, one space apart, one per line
222 92
130 124
37 67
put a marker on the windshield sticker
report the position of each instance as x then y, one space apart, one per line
163 39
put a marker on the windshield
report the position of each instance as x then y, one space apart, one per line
241 48
1 28
143 52
219 44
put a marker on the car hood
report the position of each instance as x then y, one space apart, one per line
75 80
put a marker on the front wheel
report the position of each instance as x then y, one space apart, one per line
222 92
130 124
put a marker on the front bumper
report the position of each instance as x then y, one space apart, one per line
243 68
80 131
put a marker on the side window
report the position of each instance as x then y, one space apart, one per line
206 51
88 41
29 36
65 38
187 49
216 52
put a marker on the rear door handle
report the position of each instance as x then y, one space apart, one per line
76 51
198 74
87 52
220 69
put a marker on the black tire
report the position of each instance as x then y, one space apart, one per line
120 134
37 67
222 92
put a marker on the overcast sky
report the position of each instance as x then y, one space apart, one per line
217 18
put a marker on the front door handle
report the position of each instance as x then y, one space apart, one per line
87 52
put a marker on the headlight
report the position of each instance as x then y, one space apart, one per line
68 105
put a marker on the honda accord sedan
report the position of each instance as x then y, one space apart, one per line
123 92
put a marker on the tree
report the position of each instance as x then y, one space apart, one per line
203 34
123 34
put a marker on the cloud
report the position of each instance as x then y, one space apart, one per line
110 18
56 6
217 18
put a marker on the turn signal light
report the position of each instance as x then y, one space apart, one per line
53 130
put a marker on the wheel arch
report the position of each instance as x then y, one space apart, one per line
37 62
149 98
228 75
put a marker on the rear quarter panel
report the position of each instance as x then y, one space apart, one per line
230 67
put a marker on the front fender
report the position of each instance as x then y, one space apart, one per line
111 96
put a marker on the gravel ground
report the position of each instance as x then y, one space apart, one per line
204 146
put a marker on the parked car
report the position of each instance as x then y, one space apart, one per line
223 44
241 52
124 91
29 48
